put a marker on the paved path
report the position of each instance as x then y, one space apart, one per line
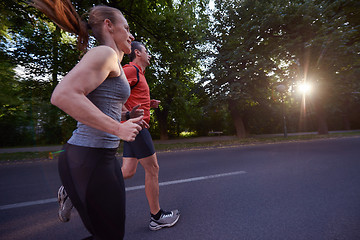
306 190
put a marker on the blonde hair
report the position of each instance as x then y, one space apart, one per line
63 13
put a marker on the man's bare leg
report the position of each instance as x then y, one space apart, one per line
128 167
151 167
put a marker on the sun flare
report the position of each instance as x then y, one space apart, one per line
305 88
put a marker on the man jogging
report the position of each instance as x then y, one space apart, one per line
142 149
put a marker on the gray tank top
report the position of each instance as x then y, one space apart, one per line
109 97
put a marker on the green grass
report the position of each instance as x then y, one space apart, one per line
29 156
247 141
13 157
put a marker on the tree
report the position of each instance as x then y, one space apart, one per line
13 120
238 76
173 33
43 66
46 53
260 44
319 37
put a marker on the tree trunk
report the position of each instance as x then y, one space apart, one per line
162 120
322 125
346 110
55 55
53 132
321 117
346 122
237 119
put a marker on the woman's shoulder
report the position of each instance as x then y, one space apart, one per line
100 55
102 50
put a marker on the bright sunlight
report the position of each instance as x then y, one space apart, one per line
305 88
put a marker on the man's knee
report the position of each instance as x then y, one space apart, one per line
150 165
154 169
129 167
128 172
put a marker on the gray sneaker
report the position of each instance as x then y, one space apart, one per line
167 219
65 205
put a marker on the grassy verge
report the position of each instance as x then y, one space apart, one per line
248 141
12 157
30 156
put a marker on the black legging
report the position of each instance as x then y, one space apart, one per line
93 180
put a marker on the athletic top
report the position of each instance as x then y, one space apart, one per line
140 94
109 97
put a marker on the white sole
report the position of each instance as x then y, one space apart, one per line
166 225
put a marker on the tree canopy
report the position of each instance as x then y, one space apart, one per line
261 44
213 69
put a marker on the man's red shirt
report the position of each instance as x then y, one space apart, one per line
140 94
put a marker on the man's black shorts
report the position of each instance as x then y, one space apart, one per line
142 147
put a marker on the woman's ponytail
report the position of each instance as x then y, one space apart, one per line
63 13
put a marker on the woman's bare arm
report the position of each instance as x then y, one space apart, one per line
70 94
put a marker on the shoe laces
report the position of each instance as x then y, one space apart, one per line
167 214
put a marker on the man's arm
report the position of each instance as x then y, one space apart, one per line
154 103
134 113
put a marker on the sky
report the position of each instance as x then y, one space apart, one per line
211 4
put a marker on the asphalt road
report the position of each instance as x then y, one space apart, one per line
284 191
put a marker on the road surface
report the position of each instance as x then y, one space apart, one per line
299 191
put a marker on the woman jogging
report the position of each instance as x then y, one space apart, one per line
93 93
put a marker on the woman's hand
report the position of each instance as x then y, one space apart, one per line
143 124
130 129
